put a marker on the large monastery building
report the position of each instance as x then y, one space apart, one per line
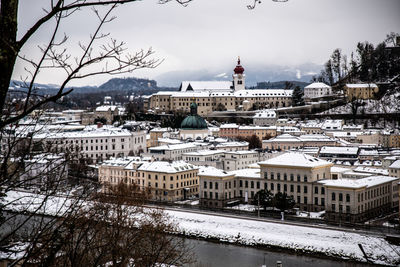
219 96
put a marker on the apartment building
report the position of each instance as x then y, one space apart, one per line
361 91
357 200
245 131
95 142
167 181
287 141
297 175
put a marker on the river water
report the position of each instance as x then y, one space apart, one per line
210 254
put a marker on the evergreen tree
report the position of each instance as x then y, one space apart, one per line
283 202
297 97
263 197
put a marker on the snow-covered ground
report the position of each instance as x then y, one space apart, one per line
245 231
244 207
314 215
188 202
306 239
388 104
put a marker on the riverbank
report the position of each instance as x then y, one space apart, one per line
211 254
290 238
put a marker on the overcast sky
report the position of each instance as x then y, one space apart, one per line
210 34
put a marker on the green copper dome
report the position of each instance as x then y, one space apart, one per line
193 121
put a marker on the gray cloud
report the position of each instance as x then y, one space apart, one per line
210 34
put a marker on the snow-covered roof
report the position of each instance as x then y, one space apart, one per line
338 150
335 169
206 85
167 167
295 159
358 183
173 147
229 125
317 85
232 144
87 132
264 93
125 162
361 85
283 138
247 173
256 127
214 172
269 114
106 108
242 152
395 165
371 170
204 153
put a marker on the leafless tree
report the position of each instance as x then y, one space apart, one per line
37 205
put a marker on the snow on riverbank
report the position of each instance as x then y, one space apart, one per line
307 239
247 232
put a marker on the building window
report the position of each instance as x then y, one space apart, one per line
347 197
285 176
315 201
278 175
216 185
333 196
305 189
246 184
305 178
340 197
272 186
265 175
291 188
205 184
322 201
322 190
240 183
298 189
347 209
279 187
272 176
285 188
211 185
258 185
316 190
305 200
252 184
333 207
291 177
298 177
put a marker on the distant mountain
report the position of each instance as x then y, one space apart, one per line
279 85
126 85
254 74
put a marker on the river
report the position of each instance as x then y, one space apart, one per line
210 254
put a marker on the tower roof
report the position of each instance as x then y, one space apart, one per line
238 69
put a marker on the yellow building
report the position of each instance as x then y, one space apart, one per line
167 181
361 91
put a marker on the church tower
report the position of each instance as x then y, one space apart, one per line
238 77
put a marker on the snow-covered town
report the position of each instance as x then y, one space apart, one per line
222 161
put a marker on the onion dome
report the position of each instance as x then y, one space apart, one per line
193 121
239 69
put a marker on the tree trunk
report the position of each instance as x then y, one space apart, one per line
8 45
